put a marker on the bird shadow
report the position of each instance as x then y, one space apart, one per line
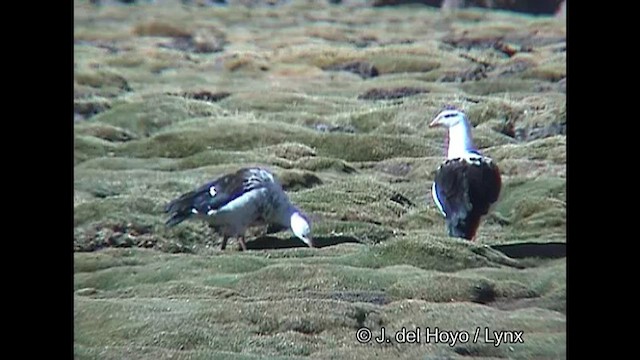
272 242
551 250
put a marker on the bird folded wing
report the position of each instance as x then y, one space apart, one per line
215 194
452 188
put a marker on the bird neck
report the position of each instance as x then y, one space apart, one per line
460 140
290 210
283 211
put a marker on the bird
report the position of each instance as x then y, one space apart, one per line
467 184
234 202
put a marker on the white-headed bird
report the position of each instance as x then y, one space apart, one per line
237 201
467 183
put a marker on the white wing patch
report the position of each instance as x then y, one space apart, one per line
435 199
212 191
243 202
265 174
194 211
474 160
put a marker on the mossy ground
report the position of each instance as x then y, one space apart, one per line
362 169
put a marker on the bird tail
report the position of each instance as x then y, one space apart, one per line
181 208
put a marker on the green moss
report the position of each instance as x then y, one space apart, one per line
392 59
553 69
361 170
123 163
552 148
87 147
160 28
104 131
290 151
538 203
114 207
217 157
426 252
368 120
320 163
283 102
102 79
248 135
293 180
152 114
500 85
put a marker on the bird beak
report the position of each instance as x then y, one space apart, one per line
434 123
309 241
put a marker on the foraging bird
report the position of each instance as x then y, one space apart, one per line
467 183
236 201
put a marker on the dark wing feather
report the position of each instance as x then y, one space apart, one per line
452 191
225 189
466 191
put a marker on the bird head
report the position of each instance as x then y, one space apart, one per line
448 118
301 227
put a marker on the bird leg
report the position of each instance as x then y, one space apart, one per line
243 246
214 233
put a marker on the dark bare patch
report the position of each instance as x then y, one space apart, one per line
103 79
272 242
497 43
203 95
107 45
401 199
509 304
508 49
506 127
466 43
359 216
551 250
474 73
395 169
434 3
199 44
514 67
508 45
478 351
372 297
160 28
205 3
85 109
111 234
539 7
335 128
356 296
201 40
393 93
364 69
536 131
483 293
293 181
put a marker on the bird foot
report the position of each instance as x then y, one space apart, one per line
243 246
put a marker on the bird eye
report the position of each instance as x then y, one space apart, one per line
449 115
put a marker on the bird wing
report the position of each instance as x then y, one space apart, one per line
451 188
436 199
465 189
214 195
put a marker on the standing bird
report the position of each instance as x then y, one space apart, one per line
467 183
234 202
